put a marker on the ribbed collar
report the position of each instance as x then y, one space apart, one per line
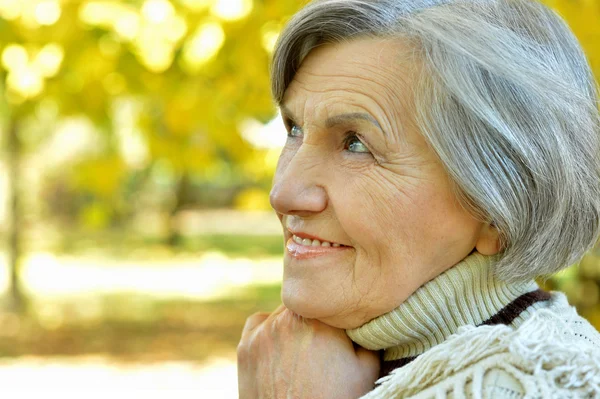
466 294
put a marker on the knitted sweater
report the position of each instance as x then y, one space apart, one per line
467 334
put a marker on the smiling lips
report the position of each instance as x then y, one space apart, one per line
304 248
307 242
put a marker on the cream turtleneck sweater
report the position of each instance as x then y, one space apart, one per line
460 334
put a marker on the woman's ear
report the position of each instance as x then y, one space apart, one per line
488 242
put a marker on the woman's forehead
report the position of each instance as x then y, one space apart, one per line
361 74
367 60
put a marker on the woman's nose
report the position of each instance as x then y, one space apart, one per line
298 186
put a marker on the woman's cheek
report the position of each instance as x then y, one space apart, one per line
362 211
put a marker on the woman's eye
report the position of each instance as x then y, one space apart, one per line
353 144
295 131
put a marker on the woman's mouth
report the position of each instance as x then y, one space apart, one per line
307 242
304 248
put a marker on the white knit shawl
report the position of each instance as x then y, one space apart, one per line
553 354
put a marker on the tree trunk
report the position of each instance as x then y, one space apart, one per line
14 234
174 237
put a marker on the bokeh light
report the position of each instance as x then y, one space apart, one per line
203 46
126 24
26 81
270 33
49 59
10 9
231 10
47 12
14 57
196 5
157 11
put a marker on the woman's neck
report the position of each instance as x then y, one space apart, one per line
466 294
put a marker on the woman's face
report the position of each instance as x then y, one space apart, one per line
357 175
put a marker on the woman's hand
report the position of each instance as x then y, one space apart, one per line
283 355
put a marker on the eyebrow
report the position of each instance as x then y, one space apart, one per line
339 119
342 118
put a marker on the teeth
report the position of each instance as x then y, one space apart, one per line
313 243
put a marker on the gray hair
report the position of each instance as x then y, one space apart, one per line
506 99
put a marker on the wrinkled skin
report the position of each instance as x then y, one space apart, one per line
370 183
283 355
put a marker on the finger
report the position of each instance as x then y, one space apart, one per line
254 321
258 318
276 316
284 319
280 309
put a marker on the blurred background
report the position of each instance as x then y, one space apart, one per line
138 143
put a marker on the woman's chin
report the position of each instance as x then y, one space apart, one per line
304 303
309 306
299 302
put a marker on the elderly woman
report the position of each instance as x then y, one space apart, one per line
441 154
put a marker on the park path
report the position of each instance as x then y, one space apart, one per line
210 276
49 278
99 377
